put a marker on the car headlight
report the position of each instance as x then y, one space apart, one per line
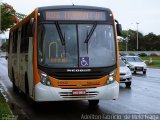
112 77
145 66
131 66
44 78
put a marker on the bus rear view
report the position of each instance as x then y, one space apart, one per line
76 54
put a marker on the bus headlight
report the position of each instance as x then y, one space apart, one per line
112 77
44 78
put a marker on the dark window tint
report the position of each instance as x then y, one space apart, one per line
15 39
24 38
9 43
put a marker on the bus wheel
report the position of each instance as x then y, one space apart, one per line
93 102
26 86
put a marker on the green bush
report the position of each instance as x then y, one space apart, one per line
4 46
142 54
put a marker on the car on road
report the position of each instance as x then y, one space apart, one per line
135 64
125 74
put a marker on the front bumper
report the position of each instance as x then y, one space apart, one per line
125 78
46 93
138 68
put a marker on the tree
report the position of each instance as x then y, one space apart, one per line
149 42
9 17
152 42
132 39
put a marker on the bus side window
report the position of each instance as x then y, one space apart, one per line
24 39
9 42
30 29
14 43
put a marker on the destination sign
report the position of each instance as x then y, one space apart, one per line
75 15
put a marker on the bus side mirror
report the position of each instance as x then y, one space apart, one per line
119 28
31 27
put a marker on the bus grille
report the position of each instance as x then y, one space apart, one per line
62 74
78 76
87 95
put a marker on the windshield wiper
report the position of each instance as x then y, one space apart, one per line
60 33
61 36
89 35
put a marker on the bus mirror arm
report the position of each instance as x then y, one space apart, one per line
119 28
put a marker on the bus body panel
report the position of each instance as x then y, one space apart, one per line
45 93
20 64
9 56
13 68
35 65
22 72
117 47
30 67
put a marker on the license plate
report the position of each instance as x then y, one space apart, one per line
139 68
78 92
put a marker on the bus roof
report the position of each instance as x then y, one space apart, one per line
57 7
72 6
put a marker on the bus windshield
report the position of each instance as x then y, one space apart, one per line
66 47
133 59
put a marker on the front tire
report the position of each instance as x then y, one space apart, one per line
26 86
144 72
93 102
128 84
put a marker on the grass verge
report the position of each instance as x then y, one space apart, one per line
153 58
5 111
155 61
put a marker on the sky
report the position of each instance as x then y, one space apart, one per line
127 12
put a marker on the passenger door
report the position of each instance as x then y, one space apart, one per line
24 44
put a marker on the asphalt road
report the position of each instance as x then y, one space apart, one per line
142 97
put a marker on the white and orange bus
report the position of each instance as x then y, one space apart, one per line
66 53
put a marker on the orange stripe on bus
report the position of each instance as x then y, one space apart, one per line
35 68
79 83
117 49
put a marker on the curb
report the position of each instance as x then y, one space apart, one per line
16 111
